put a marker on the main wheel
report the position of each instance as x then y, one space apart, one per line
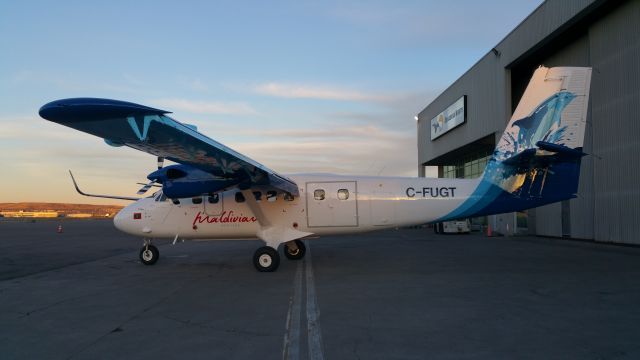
266 259
296 254
149 254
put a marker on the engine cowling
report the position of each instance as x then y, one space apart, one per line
183 181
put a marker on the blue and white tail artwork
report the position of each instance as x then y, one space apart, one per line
537 160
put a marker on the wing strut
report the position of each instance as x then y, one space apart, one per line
272 234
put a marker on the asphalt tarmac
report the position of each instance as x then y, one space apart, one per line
402 294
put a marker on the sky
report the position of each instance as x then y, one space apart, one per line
299 86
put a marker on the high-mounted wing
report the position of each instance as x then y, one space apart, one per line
152 131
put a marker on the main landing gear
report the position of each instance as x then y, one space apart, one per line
267 259
294 250
149 254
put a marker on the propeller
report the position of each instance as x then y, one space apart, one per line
151 183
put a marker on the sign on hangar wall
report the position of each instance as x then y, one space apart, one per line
454 115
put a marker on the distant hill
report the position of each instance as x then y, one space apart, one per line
61 208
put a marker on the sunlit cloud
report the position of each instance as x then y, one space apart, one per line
205 107
298 91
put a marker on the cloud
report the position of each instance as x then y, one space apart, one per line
362 150
206 107
300 91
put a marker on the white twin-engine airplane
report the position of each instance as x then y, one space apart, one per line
215 192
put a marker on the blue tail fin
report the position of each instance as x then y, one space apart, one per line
537 160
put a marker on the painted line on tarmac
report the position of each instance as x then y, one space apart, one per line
292 346
314 336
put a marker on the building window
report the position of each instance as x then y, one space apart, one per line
467 168
343 194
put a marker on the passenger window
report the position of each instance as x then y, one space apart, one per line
318 194
271 196
239 197
175 201
288 197
343 194
196 200
257 195
213 198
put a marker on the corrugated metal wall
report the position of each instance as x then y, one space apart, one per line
549 218
486 108
608 206
615 109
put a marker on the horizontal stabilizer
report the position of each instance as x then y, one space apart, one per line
560 149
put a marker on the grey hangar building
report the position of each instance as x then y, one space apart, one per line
604 35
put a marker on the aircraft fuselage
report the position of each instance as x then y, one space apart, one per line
328 204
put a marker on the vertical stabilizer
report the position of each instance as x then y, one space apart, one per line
537 160
553 109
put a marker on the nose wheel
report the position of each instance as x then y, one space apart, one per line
266 259
149 254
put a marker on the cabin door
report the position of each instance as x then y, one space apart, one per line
332 203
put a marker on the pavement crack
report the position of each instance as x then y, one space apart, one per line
122 325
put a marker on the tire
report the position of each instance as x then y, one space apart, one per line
298 254
149 255
266 259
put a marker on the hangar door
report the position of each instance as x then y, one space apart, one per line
332 204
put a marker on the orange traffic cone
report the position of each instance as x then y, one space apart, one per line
60 229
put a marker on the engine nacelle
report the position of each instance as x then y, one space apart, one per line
183 181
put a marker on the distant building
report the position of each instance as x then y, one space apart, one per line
30 214
79 215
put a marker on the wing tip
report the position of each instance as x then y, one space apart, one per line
89 108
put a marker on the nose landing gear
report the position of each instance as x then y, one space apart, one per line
149 254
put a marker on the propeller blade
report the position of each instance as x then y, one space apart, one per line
154 185
146 188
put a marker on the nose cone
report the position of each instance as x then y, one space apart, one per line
127 221
119 220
